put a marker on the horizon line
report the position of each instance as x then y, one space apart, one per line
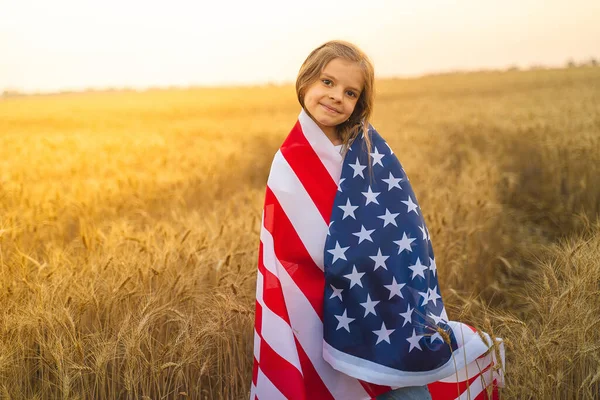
8 92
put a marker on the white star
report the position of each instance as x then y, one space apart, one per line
391 152
388 218
383 334
393 182
435 337
414 341
344 321
395 288
355 277
348 209
436 319
433 296
425 296
417 269
371 197
411 206
338 252
377 157
358 168
369 306
423 232
407 315
404 243
364 234
432 266
340 184
329 228
379 260
336 292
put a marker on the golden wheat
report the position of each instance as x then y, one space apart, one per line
129 228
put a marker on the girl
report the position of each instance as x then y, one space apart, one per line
348 305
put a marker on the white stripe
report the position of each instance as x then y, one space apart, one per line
472 348
329 156
252 392
265 390
256 346
469 371
477 386
278 334
383 375
299 208
308 328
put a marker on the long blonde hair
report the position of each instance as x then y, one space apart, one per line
311 70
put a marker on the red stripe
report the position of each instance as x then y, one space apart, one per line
452 390
292 254
254 371
273 295
315 388
374 390
258 318
281 373
312 384
310 170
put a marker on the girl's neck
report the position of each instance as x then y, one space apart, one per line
331 134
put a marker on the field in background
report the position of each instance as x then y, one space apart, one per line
129 228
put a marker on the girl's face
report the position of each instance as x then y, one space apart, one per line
331 99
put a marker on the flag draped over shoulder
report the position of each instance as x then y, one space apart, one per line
347 300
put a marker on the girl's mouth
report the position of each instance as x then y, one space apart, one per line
331 110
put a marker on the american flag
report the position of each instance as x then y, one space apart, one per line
347 301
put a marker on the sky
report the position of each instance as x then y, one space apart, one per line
48 46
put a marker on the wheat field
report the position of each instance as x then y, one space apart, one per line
129 228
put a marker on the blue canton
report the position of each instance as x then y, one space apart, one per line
382 299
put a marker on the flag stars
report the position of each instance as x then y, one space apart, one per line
355 277
417 269
340 184
432 295
369 306
425 296
371 197
411 205
432 266
388 218
395 288
377 157
364 234
436 318
348 210
379 260
393 182
344 321
338 252
383 334
405 243
414 341
407 315
336 293
358 169
424 232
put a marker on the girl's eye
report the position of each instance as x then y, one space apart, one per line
351 93
326 81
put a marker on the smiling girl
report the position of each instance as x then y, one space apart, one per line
340 315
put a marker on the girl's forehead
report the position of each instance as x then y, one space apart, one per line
345 72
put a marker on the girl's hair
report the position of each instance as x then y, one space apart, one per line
311 70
